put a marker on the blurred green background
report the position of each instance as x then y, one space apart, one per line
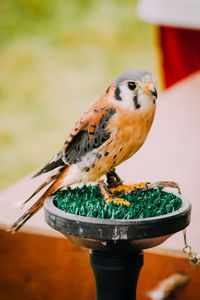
56 58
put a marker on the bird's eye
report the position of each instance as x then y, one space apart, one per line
131 85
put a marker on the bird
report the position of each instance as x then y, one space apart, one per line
111 131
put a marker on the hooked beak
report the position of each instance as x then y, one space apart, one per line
151 90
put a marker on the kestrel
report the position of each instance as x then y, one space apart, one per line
110 132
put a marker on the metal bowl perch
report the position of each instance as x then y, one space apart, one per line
116 256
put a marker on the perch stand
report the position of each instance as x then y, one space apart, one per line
117 245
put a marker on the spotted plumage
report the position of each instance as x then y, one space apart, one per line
110 132
87 139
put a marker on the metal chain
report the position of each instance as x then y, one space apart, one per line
187 249
194 258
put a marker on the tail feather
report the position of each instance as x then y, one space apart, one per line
48 181
54 163
39 203
27 215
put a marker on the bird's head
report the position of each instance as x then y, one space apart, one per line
135 90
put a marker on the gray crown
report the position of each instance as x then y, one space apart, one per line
132 75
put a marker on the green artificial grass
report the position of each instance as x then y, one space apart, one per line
87 201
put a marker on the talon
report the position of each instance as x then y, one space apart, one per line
143 184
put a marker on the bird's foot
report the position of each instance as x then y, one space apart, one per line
131 187
108 196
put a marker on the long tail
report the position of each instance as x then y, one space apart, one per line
39 203
48 181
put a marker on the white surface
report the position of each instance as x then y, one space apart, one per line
178 13
171 152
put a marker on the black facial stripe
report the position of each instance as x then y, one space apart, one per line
135 100
117 94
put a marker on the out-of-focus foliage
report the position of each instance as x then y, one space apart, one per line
56 57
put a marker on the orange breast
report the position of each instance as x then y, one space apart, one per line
131 130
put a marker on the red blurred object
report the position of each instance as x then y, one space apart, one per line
180 53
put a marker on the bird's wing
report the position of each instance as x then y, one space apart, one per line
90 137
88 133
91 133
57 161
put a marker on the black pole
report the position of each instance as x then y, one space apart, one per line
116 275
